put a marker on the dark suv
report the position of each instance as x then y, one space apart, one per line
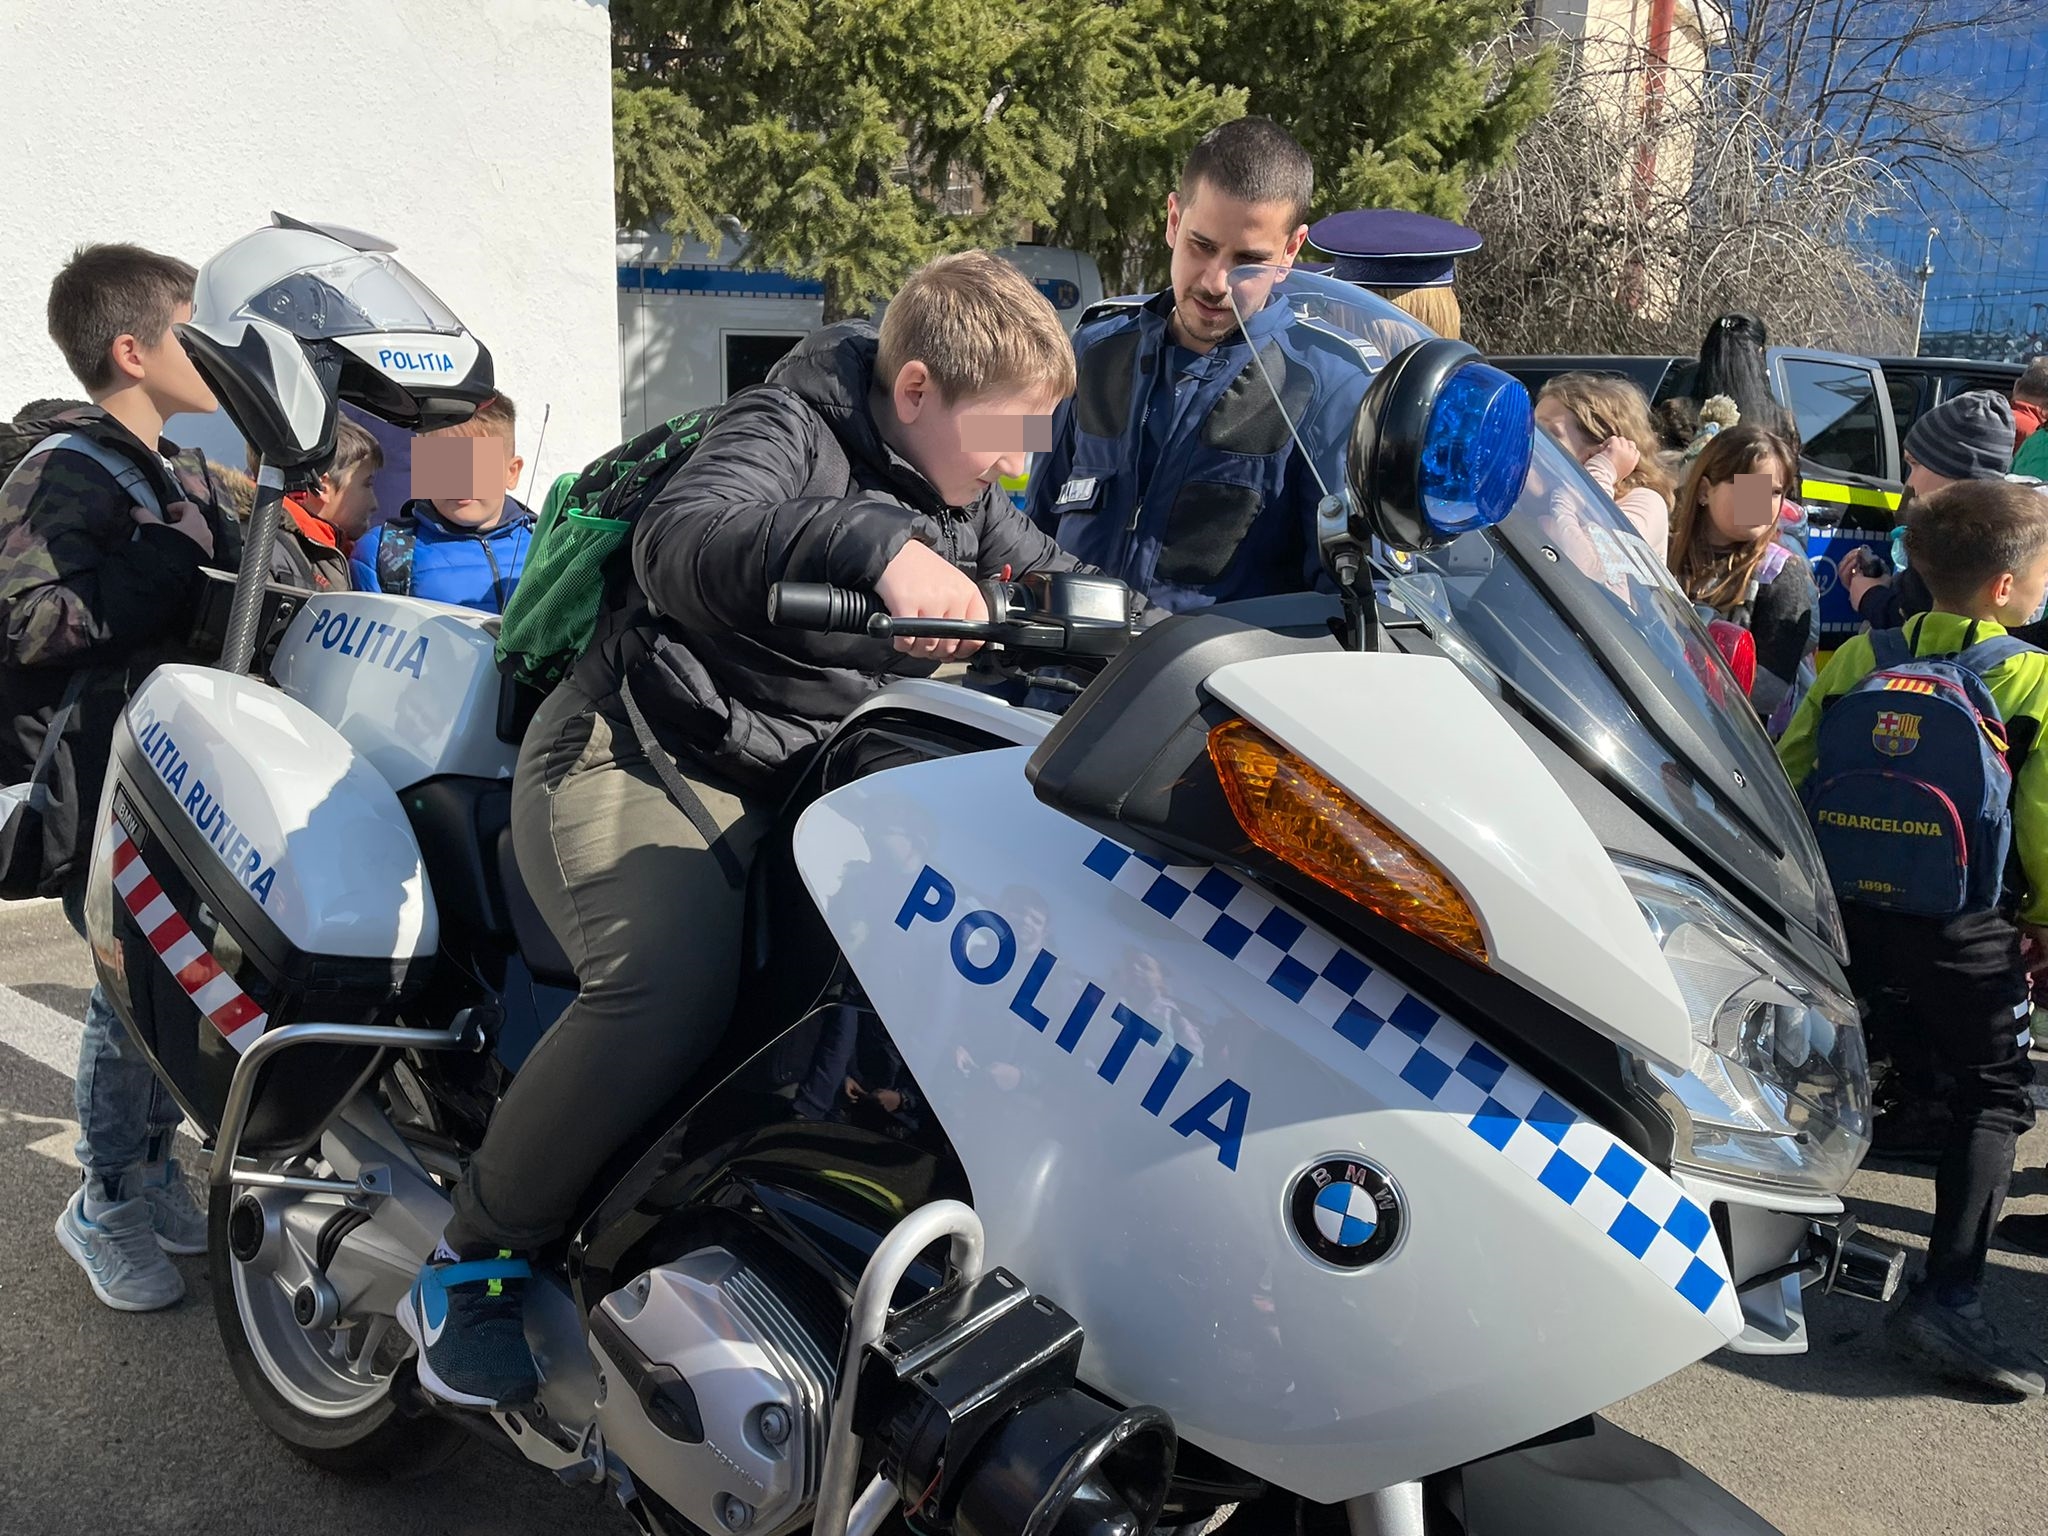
1918 384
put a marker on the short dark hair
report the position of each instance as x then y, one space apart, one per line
1254 160
43 410
1967 535
109 291
2032 385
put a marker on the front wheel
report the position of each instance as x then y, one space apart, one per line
324 1390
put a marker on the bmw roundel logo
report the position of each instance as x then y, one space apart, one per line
1347 1212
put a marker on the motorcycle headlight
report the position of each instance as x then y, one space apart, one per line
1778 1088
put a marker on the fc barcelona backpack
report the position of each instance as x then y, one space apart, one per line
1911 793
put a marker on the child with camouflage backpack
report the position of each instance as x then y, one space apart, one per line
104 527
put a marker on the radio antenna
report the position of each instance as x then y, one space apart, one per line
540 442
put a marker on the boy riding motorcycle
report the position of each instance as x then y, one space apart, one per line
868 461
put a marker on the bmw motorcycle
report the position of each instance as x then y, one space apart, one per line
1366 1035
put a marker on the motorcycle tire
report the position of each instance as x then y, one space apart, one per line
380 1443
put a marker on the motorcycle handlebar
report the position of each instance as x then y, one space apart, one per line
1064 614
832 610
815 605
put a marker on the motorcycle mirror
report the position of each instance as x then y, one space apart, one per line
1441 446
262 383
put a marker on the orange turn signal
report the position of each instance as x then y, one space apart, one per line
1301 817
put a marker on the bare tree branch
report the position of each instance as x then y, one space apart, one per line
1587 253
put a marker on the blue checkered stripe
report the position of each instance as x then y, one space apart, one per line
1608 1186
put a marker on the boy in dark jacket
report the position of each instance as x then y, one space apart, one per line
463 537
1957 987
101 545
1967 438
867 461
310 550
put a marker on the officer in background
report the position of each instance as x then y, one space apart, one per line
1173 467
1406 258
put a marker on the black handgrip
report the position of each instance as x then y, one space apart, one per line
814 605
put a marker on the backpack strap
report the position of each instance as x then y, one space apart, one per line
127 474
1985 655
1890 648
686 799
394 557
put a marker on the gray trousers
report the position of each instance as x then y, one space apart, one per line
652 926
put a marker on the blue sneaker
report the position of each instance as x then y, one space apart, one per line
468 1320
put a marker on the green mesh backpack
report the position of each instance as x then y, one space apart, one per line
586 522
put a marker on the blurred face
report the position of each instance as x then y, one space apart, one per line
465 472
965 446
165 369
1209 235
351 502
1554 418
1743 507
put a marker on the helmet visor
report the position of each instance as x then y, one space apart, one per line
360 294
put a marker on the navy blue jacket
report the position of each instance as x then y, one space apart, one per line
1231 508
445 564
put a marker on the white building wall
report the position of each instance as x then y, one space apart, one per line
474 134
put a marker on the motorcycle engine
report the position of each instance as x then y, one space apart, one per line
714 1393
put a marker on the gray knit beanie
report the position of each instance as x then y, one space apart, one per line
1967 438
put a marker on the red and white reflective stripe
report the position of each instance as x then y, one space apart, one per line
212 990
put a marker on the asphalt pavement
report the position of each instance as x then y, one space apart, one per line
117 1423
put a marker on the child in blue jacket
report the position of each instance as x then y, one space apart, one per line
463 538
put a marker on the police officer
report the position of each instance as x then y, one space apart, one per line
1406 258
1173 466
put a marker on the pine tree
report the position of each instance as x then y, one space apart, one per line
855 138
1392 98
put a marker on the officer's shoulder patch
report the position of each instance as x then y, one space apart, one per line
1325 337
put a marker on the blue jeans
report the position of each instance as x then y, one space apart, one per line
126 1117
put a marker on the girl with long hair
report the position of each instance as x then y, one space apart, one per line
1604 424
1728 556
1733 363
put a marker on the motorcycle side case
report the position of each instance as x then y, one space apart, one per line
250 871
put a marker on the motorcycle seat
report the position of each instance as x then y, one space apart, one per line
464 828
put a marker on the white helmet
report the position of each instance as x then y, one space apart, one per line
295 317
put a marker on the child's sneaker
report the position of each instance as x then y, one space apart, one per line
120 1255
468 1320
175 1211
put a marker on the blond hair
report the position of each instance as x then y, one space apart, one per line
980 328
496 417
1716 576
1436 307
1610 407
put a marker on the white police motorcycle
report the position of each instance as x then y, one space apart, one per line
1360 1040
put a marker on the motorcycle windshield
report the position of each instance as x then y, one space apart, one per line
1565 608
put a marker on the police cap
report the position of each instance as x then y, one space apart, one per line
1392 248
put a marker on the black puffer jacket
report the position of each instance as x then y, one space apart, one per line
792 483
